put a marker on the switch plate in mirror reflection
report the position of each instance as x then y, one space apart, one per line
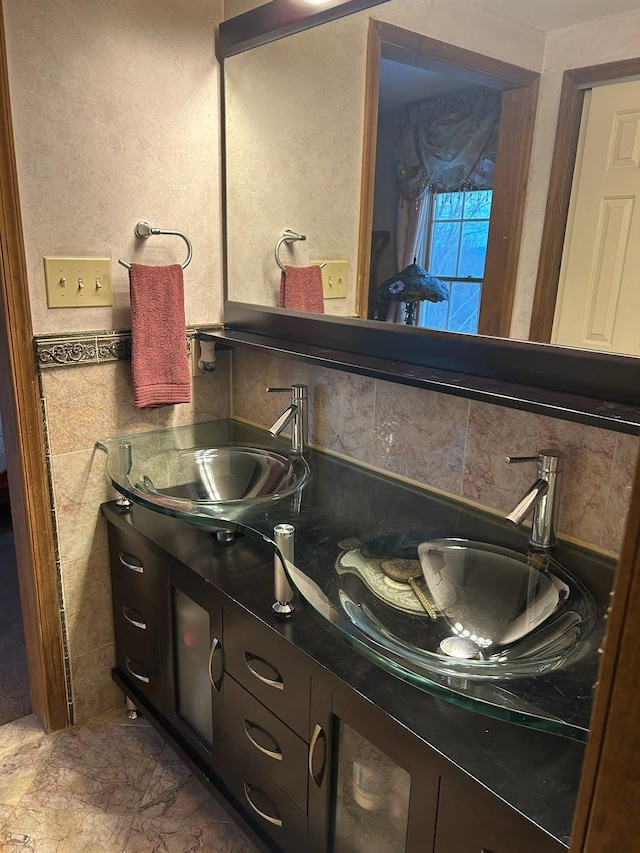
311 98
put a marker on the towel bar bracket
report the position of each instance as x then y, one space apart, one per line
143 230
288 236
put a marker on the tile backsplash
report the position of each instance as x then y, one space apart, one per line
83 403
449 443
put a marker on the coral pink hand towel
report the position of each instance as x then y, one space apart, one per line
301 289
159 360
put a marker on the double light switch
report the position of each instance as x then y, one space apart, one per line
78 282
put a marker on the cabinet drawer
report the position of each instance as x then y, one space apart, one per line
144 571
271 745
270 668
263 803
471 820
136 629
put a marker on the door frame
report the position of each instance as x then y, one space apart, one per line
575 83
23 427
520 96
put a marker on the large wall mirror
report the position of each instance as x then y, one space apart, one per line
410 137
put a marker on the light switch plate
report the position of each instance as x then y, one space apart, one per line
78 282
334 279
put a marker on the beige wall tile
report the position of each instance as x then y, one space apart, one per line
252 372
420 434
80 485
210 398
87 596
495 431
624 466
93 689
340 410
90 402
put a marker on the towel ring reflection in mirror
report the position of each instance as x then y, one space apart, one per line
288 236
144 230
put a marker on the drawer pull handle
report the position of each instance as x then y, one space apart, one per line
277 683
317 777
131 562
143 678
276 753
139 623
215 643
276 821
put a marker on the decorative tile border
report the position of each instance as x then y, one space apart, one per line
94 347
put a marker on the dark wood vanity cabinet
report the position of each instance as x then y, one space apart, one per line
305 761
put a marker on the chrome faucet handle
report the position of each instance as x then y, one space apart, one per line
543 457
296 389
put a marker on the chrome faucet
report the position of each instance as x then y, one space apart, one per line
296 414
542 499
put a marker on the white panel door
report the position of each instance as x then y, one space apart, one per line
598 303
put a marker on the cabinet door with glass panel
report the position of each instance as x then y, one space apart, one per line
194 699
372 786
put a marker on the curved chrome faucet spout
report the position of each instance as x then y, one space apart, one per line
296 414
542 499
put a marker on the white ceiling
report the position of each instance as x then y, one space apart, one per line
552 14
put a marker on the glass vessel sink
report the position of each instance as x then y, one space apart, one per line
456 607
190 472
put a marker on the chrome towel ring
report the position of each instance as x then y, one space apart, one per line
144 230
288 236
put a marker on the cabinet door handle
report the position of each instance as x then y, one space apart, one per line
215 643
278 683
276 753
276 821
317 777
131 562
139 623
143 678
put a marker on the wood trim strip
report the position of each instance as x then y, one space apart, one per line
507 214
607 815
368 180
560 184
450 54
24 436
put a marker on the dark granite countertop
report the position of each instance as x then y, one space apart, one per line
534 771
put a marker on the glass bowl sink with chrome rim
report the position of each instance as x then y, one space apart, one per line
181 472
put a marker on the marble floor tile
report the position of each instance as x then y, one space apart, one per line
149 835
19 767
108 786
20 732
105 768
47 830
175 793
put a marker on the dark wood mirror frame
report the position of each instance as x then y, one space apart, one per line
488 362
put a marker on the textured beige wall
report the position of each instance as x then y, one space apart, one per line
295 129
450 443
116 119
592 43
